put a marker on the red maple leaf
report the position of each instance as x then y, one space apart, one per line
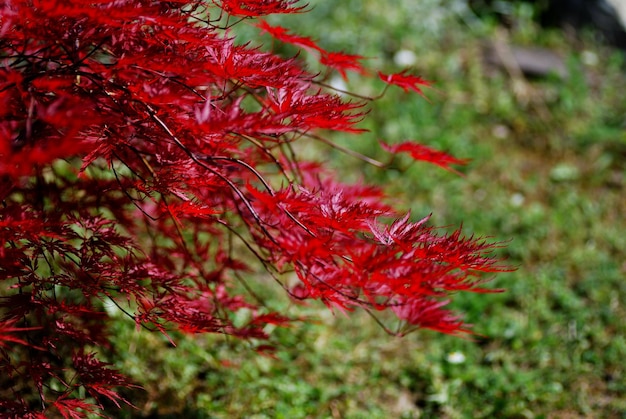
422 152
284 35
343 62
405 81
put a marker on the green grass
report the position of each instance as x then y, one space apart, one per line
548 175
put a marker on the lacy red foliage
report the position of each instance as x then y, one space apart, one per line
146 162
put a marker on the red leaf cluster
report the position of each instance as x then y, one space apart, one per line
147 162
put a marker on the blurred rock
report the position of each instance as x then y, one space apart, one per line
531 61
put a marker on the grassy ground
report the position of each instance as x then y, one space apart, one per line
548 173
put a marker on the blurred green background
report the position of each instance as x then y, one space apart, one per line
548 175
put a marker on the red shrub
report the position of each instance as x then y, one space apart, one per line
145 156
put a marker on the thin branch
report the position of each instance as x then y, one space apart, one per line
348 151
